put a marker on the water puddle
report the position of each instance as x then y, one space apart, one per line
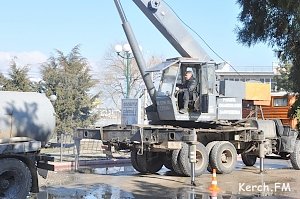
144 189
94 192
124 169
109 192
127 169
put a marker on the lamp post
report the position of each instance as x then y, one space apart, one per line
125 53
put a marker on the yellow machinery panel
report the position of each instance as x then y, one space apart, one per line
257 91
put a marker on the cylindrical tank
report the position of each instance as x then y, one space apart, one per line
267 126
26 114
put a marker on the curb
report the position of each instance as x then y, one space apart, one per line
69 166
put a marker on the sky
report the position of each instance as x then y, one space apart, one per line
31 30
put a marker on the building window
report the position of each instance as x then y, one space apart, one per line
280 101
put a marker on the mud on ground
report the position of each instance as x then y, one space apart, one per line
125 182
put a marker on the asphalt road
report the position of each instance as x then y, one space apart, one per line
278 181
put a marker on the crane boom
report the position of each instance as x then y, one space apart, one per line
170 26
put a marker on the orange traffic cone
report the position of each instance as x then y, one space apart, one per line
214 184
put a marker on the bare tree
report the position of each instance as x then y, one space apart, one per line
113 78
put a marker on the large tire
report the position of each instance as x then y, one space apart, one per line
154 161
284 155
135 162
295 156
223 157
175 162
201 160
15 179
209 147
249 159
142 162
168 160
150 162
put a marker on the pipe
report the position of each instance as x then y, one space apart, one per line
261 156
193 156
193 161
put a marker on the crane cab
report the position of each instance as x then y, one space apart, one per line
202 100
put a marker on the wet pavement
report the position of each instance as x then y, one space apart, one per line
278 181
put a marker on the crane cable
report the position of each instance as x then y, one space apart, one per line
219 56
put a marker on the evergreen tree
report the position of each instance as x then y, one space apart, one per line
69 78
18 79
276 23
3 81
282 80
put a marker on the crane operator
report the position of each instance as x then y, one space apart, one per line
187 90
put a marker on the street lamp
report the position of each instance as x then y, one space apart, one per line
125 53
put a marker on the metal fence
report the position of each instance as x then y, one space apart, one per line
63 148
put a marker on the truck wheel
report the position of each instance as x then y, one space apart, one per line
134 161
295 156
148 162
142 162
223 157
168 160
175 162
249 159
284 155
15 179
154 161
208 147
201 160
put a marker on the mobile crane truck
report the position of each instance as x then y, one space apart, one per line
27 120
214 119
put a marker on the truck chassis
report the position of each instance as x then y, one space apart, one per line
153 146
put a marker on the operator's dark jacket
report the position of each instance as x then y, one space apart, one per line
189 85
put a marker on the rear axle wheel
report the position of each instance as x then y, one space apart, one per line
223 157
168 160
201 160
147 162
209 147
249 159
295 156
175 162
153 161
135 161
